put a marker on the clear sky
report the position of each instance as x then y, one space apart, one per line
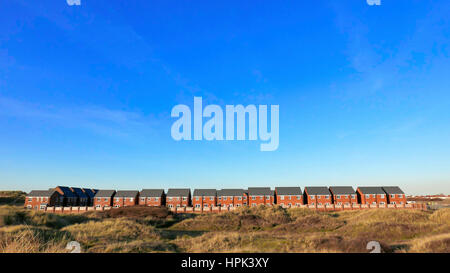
86 92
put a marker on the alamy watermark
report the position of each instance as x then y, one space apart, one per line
373 2
213 128
73 2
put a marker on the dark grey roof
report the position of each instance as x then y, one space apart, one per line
342 190
105 193
79 192
371 190
151 193
393 190
205 192
178 192
260 191
89 192
317 191
44 193
288 190
126 193
230 192
67 192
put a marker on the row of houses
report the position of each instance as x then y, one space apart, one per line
62 196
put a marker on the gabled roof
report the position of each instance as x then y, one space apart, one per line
205 192
371 190
151 193
67 192
393 190
230 192
126 194
105 193
342 190
89 192
288 190
79 192
178 192
260 191
317 191
38 193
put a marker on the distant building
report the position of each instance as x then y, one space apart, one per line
317 196
344 195
371 195
395 195
104 198
178 198
90 193
204 198
125 199
260 196
67 197
288 196
40 200
82 199
152 197
232 198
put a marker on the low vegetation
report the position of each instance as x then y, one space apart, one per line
261 229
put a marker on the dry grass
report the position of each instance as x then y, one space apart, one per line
261 229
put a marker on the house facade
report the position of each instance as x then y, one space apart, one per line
125 199
232 198
371 195
90 193
288 196
344 195
40 200
178 198
318 196
395 195
67 198
152 197
82 199
204 198
104 198
260 196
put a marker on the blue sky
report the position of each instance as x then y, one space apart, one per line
86 92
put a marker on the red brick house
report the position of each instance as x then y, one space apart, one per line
67 197
40 200
260 196
344 195
320 196
125 199
371 195
178 198
395 195
288 196
82 199
104 198
204 198
232 198
152 197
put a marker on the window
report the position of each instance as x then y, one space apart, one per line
268 197
327 197
253 205
253 197
156 198
353 196
205 205
400 196
225 198
170 198
197 198
231 205
367 195
393 195
99 199
312 197
381 195
393 202
338 196
170 206
239 198
197 205
211 198
30 199
143 199
290 205
131 199
298 197
282 197
184 198
320 204
312 203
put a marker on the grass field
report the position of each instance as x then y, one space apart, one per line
261 229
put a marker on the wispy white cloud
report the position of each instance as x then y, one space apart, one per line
96 119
